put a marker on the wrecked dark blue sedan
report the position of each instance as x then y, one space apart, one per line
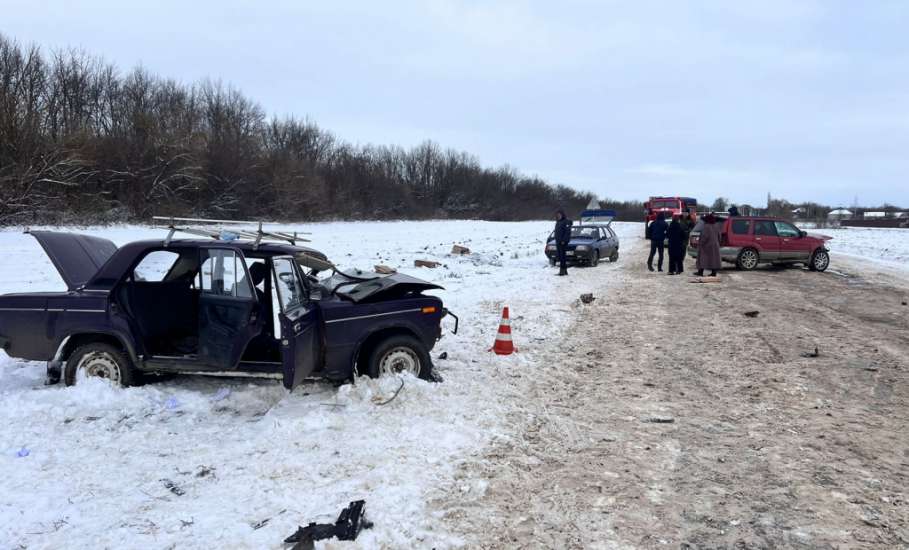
217 306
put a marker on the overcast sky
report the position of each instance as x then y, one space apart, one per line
805 100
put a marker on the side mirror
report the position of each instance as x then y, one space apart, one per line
802 233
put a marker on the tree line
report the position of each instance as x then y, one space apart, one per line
82 143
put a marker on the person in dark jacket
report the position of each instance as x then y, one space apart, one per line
562 236
733 211
677 238
657 237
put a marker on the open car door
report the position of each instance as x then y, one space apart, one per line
298 319
228 310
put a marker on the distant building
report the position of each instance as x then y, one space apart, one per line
874 215
839 214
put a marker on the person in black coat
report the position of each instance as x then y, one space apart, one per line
657 235
562 236
678 237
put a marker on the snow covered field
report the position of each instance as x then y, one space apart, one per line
89 466
886 246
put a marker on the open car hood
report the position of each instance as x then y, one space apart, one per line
76 257
382 287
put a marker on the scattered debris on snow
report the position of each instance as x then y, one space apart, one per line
426 263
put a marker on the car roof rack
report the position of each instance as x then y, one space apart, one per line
597 217
204 228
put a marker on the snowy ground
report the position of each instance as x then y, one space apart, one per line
88 465
888 247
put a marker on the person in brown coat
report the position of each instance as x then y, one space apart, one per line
709 247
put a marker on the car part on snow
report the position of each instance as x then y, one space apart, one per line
348 526
173 487
426 263
447 312
705 280
459 250
385 270
392 398
503 344
812 354
752 314
587 298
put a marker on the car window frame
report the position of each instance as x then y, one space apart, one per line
798 232
749 229
131 272
772 224
253 294
304 304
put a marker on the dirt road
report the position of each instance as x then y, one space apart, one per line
669 419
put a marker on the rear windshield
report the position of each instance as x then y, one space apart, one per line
584 232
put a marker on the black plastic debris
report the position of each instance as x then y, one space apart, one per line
349 524
173 487
752 314
443 355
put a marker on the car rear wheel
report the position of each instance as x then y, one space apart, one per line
748 259
99 361
400 354
614 257
819 261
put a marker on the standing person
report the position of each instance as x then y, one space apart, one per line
657 236
709 247
562 236
677 237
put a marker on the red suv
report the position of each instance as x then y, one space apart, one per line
748 241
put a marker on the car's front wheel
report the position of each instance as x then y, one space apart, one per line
399 354
595 259
819 261
748 259
99 361
614 257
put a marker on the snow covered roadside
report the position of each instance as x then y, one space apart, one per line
88 465
888 247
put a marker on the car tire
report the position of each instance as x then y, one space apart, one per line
398 354
614 257
819 261
100 361
595 260
747 259
552 262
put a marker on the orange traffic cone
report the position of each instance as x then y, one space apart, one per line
504 345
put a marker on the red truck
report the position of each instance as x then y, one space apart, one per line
667 206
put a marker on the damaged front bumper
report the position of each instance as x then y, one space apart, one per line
445 313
